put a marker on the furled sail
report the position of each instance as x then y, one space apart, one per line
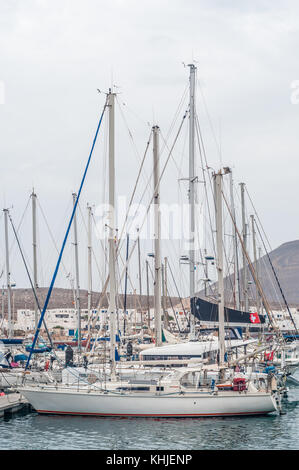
208 312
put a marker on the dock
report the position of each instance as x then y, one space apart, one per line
11 403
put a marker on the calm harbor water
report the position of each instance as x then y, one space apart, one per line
30 431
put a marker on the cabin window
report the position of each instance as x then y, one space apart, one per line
140 389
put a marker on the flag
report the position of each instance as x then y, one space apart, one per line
254 318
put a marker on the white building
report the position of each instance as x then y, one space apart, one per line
66 319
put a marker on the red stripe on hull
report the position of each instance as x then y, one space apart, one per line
152 415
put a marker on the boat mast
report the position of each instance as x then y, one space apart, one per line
165 312
244 233
219 242
236 263
89 252
34 245
260 304
140 283
10 328
192 179
77 275
157 235
147 296
126 284
111 241
255 260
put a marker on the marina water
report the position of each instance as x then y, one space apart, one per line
30 431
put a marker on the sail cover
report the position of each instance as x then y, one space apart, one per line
208 312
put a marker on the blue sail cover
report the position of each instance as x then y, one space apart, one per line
38 350
9 341
208 312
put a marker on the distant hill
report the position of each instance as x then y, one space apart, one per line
285 260
64 298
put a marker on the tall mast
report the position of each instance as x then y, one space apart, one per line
235 241
89 252
219 241
10 327
139 265
260 304
112 276
34 245
163 298
126 284
2 295
140 282
77 276
255 259
244 233
147 295
157 216
192 179
166 320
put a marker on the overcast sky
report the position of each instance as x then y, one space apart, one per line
55 54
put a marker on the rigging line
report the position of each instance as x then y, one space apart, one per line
203 153
134 245
86 232
183 151
104 252
172 126
99 306
257 282
120 294
130 280
104 162
209 120
261 238
65 239
147 185
235 274
271 280
258 218
130 133
53 240
166 146
228 276
29 277
163 222
178 111
134 191
151 271
173 279
277 280
19 226
176 115
175 317
39 253
125 289
155 189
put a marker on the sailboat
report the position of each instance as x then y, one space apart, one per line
172 394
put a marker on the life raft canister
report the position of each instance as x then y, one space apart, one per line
239 384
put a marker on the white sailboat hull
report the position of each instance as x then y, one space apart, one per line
68 402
